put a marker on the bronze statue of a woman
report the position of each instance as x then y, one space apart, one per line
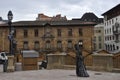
80 67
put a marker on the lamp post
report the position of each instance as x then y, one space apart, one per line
10 36
9 65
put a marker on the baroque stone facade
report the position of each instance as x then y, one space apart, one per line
49 36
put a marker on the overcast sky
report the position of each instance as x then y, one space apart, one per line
29 9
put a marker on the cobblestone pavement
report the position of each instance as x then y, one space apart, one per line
57 74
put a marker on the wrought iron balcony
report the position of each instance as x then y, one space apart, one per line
116 29
116 32
117 41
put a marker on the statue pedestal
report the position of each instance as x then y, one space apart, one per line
11 66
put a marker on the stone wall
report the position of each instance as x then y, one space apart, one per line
56 61
87 37
103 62
116 60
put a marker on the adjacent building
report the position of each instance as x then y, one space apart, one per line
98 40
2 21
43 17
112 29
98 37
90 17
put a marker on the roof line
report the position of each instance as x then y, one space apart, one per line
110 10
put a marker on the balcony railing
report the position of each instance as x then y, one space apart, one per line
117 41
116 29
116 32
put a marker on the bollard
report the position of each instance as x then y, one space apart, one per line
5 64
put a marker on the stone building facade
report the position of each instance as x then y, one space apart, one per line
49 36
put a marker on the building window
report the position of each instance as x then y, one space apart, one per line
105 24
69 44
105 31
99 38
100 46
59 32
36 45
25 45
116 19
105 38
98 31
113 37
110 47
112 21
110 37
110 30
117 47
80 32
59 44
69 32
25 33
113 47
48 45
36 32
94 38
95 46
105 45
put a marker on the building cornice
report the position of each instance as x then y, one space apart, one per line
51 23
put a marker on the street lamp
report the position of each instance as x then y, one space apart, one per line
10 16
10 36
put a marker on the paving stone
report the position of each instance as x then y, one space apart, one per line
56 74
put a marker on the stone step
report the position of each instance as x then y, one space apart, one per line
69 67
117 70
